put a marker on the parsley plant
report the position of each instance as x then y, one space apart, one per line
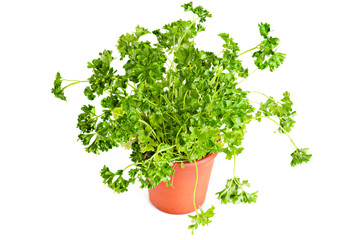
175 102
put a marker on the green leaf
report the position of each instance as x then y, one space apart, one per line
264 29
234 193
118 184
202 218
103 75
89 93
281 109
266 56
199 11
87 119
57 90
299 156
276 60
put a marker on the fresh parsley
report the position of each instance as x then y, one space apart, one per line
175 102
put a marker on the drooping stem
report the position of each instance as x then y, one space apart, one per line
234 165
284 131
195 187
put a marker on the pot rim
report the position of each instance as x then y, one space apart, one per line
204 159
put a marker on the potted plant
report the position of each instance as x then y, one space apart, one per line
176 107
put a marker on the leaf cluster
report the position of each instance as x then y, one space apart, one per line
299 156
202 218
234 193
281 109
267 56
57 90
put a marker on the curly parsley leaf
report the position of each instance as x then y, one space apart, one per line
234 193
103 75
264 29
199 11
115 180
177 32
266 56
282 109
146 63
57 90
202 218
299 156
230 55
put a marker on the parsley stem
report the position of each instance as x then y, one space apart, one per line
130 85
130 166
170 61
234 165
284 131
195 187
264 95
73 80
248 76
248 50
99 116
165 149
259 93
73 84
155 135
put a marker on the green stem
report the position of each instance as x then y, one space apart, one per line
259 93
195 187
175 118
165 149
73 80
248 76
215 91
130 166
215 76
234 165
99 116
264 95
185 33
130 86
284 131
155 135
168 59
73 84
234 172
181 127
184 100
248 50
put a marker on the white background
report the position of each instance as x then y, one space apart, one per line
51 188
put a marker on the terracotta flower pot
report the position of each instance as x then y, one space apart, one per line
178 199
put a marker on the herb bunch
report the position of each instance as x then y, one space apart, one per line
175 102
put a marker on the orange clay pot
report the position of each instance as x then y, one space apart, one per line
178 199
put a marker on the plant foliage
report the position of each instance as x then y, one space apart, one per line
174 102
